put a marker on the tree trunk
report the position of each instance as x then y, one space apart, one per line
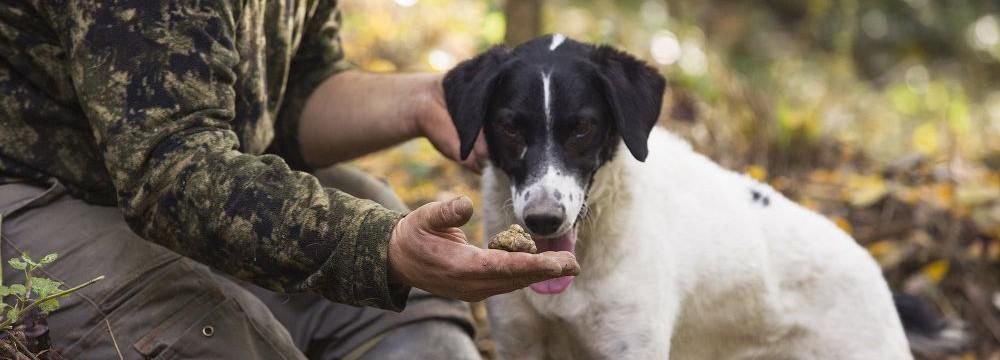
524 21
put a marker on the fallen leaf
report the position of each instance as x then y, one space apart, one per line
935 271
864 191
843 224
757 172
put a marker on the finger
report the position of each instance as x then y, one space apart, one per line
480 152
499 264
567 262
479 155
443 215
496 286
472 163
442 133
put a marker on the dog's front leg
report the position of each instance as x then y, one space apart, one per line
517 329
630 330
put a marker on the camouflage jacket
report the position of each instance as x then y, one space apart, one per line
167 108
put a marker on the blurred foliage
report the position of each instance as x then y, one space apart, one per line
883 115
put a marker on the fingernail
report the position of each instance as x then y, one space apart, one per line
571 268
459 203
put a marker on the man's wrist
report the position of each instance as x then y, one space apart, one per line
395 276
427 96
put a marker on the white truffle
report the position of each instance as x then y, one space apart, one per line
514 239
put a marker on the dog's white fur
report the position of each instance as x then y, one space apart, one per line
679 262
557 39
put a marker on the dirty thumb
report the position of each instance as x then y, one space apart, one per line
447 214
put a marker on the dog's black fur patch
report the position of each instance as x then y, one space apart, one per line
598 96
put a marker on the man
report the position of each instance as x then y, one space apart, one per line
157 114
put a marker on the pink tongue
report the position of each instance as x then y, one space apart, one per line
553 286
566 242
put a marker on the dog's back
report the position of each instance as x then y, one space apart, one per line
780 280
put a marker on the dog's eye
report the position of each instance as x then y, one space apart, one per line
583 128
507 126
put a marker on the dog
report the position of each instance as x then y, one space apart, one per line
679 257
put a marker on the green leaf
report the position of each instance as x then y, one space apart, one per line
49 305
4 291
18 264
49 258
28 260
17 289
43 287
12 314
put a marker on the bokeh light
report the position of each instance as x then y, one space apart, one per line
874 24
986 33
693 61
440 60
665 48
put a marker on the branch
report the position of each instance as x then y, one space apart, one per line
51 296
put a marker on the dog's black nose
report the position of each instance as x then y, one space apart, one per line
543 224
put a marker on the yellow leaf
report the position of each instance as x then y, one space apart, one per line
936 270
809 203
975 194
843 224
866 190
881 248
757 172
925 138
943 195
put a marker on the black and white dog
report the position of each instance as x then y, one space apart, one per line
680 258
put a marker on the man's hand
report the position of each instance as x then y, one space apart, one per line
428 251
435 124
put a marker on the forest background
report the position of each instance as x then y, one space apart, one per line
883 115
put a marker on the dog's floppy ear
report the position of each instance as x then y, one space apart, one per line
467 91
634 91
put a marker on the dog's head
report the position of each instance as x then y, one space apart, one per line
553 111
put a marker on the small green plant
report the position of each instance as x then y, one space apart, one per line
36 292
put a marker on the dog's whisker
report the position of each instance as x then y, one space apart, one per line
509 204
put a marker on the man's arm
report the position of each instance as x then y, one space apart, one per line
354 113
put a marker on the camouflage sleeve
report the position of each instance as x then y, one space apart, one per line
319 56
155 79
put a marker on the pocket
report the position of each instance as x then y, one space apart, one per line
214 325
223 332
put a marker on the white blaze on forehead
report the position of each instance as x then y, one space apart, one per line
557 39
547 91
545 188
